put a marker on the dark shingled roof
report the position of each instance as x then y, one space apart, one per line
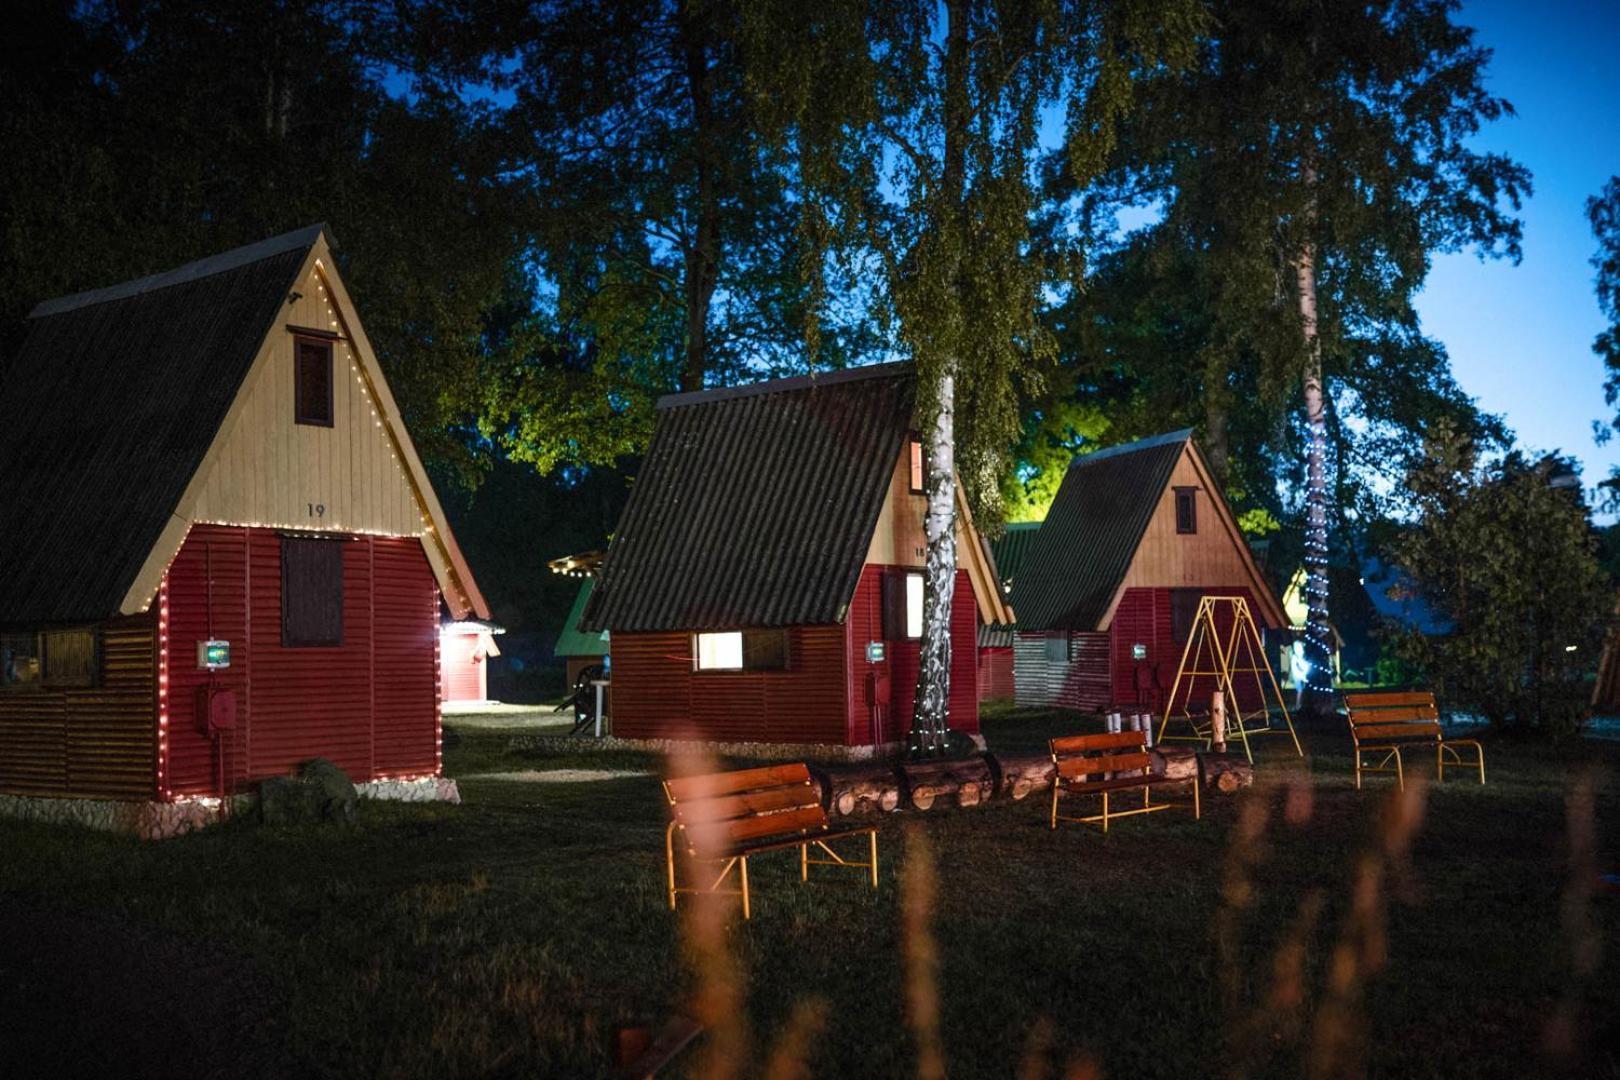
755 506
106 412
1011 548
1083 549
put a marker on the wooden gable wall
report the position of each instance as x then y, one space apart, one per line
1215 557
267 469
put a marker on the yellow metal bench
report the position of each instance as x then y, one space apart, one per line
724 818
1083 763
1388 723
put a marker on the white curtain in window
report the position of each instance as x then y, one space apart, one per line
720 651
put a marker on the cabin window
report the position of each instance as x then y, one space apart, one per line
914 463
67 657
312 390
19 662
1183 611
902 605
1186 510
1057 648
741 650
311 592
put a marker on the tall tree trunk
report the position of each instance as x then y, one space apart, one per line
701 255
930 724
1318 633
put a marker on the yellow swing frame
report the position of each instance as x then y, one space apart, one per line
1206 655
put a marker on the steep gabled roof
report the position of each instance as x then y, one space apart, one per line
1081 552
105 413
574 641
110 409
756 506
1012 547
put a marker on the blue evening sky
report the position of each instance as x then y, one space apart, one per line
1520 337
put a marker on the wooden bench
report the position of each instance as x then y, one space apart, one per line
1083 763
725 818
1388 723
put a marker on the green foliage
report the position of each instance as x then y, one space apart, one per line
1508 558
1048 443
1341 126
139 135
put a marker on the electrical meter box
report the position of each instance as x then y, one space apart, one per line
216 709
213 655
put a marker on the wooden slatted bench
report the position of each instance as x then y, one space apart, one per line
1387 723
1083 762
725 818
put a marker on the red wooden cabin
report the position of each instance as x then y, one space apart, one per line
465 649
222 555
764 584
1108 588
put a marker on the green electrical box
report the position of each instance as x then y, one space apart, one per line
213 655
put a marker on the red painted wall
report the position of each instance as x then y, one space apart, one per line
822 698
369 705
995 673
461 668
1143 617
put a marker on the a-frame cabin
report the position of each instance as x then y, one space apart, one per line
1108 588
222 554
764 585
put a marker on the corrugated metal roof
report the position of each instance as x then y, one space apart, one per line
576 642
1011 548
106 412
1083 549
756 506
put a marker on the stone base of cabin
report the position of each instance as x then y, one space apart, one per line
163 820
770 751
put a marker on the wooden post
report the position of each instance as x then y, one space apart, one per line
1217 721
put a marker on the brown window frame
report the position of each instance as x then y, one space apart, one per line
40 655
916 466
324 344
1184 613
292 635
1187 497
750 652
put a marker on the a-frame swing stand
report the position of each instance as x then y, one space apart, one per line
1225 658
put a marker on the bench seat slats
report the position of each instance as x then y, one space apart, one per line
1385 699
729 783
1072 767
1371 732
1401 714
809 819
1074 744
766 801
1135 783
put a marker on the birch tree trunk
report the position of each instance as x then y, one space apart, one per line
930 723
1318 634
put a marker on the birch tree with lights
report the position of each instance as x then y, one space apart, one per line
914 133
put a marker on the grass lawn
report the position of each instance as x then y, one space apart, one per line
512 935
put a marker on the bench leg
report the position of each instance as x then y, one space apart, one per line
1439 762
1400 777
1198 808
669 861
1358 768
1479 752
872 836
1056 783
1105 811
746 912
804 862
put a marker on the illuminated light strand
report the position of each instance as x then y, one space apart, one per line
163 689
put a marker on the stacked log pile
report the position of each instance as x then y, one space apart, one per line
860 790
1022 775
968 782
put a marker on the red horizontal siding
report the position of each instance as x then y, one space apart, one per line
995 674
892 717
369 705
461 668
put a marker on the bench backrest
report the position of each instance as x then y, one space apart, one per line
723 811
1083 758
1382 717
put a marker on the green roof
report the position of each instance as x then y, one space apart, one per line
1010 548
574 641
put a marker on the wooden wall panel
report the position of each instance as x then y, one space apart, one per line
270 470
90 742
891 721
996 674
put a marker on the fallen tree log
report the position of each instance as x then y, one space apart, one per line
857 790
1022 775
1226 773
963 783
1176 763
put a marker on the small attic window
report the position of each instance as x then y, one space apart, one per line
312 382
914 462
1186 510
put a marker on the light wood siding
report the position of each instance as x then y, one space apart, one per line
95 742
270 470
1213 559
898 539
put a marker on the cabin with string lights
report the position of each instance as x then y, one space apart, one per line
764 585
1109 586
222 556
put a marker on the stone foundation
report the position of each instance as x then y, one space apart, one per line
770 751
162 820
